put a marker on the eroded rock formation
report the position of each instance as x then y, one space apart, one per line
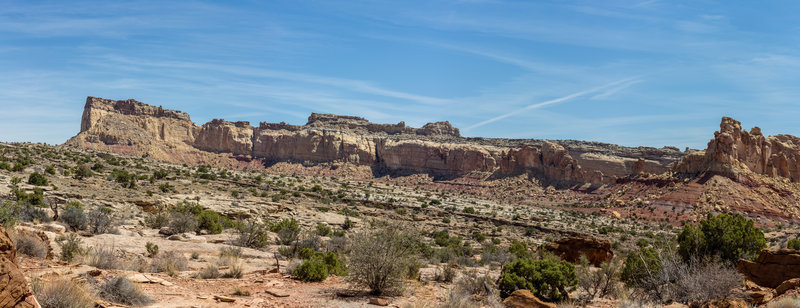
572 248
772 267
733 151
135 128
14 289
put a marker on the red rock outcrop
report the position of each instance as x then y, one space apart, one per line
525 299
14 289
772 267
734 151
571 249
135 128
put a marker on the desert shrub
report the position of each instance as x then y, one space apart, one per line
600 282
182 222
338 244
235 271
9 213
288 230
446 273
125 178
31 245
27 211
169 262
35 198
71 246
494 254
152 249
473 290
50 169
62 293
729 237
37 179
547 278
661 275
103 258
81 172
380 258
519 249
99 220
120 290
74 216
312 270
212 221
793 244
251 233
210 272
323 229
158 220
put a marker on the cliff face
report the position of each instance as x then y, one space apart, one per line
136 128
734 151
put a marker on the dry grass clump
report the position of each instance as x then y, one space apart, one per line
473 290
210 272
103 258
786 302
62 293
169 262
120 290
31 245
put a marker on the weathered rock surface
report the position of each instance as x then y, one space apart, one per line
734 150
572 248
135 128
14 289
772 267
525 299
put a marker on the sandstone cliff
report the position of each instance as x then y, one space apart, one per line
135 128
734 151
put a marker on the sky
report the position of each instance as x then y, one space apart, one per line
635 73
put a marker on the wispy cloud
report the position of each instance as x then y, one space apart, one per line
552 102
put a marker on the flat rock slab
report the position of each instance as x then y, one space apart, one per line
276 293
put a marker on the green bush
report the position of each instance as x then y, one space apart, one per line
212 221
730 237
547 278
312 270
37 179
323 229
288 230
70 246
519 250
9 213
639 265
251 233
152 249
793 244
74 216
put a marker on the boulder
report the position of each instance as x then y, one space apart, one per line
772 267
525 299
572 248
787 285
14 289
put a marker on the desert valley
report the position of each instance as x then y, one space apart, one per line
143 207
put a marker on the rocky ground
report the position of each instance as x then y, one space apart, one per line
481 211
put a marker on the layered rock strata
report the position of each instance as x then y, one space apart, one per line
733 151
132 127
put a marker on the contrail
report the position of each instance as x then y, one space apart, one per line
552 101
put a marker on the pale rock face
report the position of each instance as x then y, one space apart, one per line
313 146
134 128
734 150
228 137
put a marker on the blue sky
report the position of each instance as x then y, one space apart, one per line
649 73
